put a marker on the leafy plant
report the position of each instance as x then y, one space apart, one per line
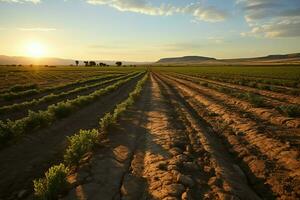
53 184
80 144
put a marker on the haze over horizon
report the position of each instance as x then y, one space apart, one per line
147 30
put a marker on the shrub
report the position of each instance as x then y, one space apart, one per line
291 110
80 144
53 184
35 120
106 121
61 110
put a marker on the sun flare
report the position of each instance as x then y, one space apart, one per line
35 49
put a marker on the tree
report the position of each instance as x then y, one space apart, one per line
119 63
77 63
86 63
92 63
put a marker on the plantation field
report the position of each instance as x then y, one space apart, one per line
150 132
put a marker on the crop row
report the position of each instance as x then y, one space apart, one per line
33 91
19 88
55 180
262 84
279 97
50 97
14 129
289 110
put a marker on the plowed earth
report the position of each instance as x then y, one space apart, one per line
181 140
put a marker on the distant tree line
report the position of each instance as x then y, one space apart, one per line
93 63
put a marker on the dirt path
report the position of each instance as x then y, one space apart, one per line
29 158
228 181
152 154
137 161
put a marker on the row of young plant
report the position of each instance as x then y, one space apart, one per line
55 180
19 88
256 83
289 110
51 97
11 130
283 81
8 96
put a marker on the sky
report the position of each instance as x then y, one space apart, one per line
147 30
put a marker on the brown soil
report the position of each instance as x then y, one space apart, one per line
270 94
179 141
29 158
159 152
283 175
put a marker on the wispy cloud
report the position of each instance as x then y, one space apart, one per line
272 19
199 11
21 1
37 29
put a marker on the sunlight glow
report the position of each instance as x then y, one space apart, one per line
35 49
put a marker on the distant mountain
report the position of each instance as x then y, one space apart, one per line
277 57
19 60
185 59
270 59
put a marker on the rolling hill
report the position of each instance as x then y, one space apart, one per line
270 59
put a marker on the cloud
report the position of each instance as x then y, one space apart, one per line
37 29
21 1
271 18
200 12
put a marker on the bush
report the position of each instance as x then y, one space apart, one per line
53 184
61 110
107 120
80 144
291 110
35 120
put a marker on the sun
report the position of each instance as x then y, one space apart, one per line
35 49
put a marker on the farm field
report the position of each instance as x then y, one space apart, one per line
225 132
